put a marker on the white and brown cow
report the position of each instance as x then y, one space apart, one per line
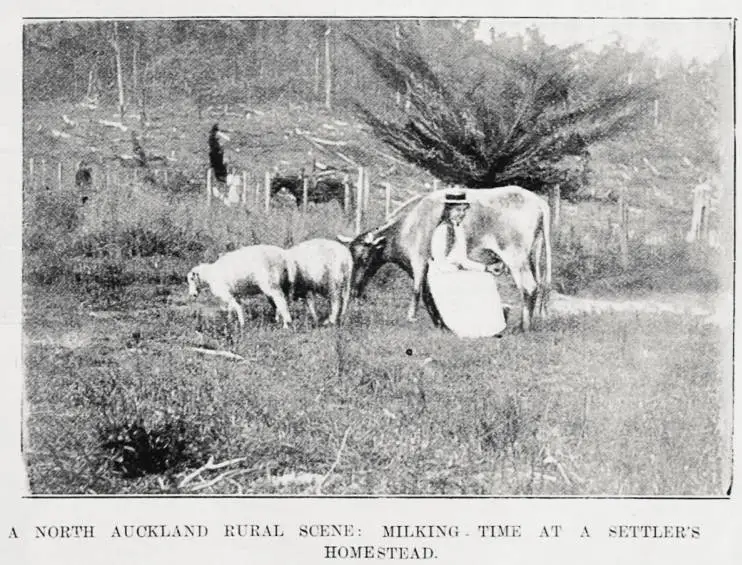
509 221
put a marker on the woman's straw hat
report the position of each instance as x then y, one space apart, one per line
455 197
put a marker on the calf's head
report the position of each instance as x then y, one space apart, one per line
367 251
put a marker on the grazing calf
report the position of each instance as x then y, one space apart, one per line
322 191
323 267
247 271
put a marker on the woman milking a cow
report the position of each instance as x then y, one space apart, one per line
461 293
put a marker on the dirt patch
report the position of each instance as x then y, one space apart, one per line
686 305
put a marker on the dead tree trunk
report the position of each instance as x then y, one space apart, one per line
134 67
92 91
317 65
143 96
328 69
119 74
398 93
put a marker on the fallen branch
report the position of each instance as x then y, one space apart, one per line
217 352
329 172
118 125
332 142
651 167
391 158
335 463
208 466
346 158
226 475
321 147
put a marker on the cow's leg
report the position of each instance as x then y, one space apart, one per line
418 276
231 303
525 282
312 307
535 262
345 299
430 304
274 310
336 299
282 308
234 306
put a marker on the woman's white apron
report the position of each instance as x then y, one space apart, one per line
468 302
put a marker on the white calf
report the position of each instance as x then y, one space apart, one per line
325 267
247 271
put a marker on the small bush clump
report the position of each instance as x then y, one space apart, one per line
132 450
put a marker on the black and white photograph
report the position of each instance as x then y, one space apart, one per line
377 257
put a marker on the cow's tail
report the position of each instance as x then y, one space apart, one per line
545 284
346 290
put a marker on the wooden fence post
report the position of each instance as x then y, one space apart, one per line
346 195
624 228
267 191
43 173
555 207
359 202
387 200
359 190
244 187
32 184
256 199
208 187
304 194
165 173
59 175
436 183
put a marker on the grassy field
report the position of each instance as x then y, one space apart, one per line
122 395
595 404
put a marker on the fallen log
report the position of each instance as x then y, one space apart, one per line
118 125
218 353
325 149
57 133
323 141
346 158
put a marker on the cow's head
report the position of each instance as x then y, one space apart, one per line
194 281
367 251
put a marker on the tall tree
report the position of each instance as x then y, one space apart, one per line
499 115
